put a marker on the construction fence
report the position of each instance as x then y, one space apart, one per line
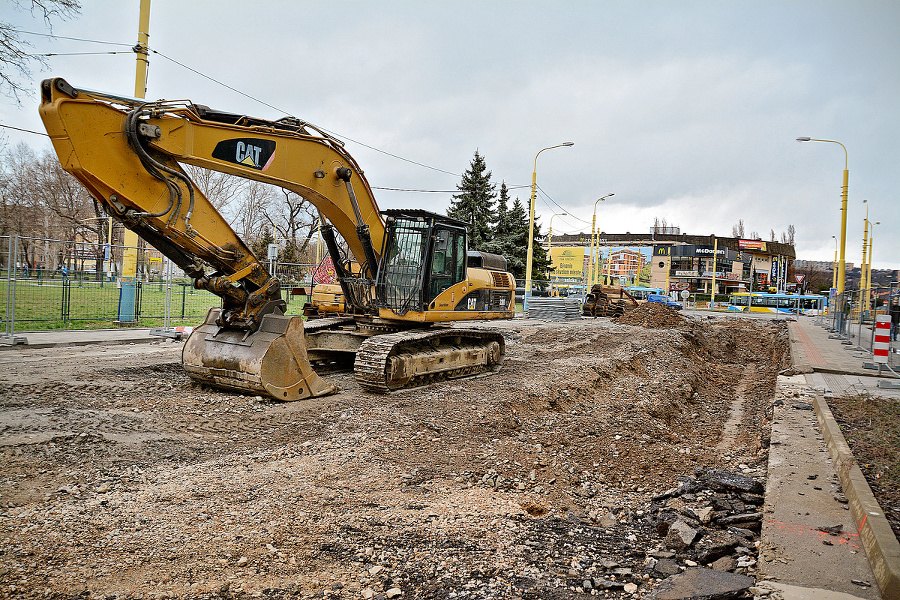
57 284
851 317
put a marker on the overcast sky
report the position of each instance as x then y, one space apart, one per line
687 111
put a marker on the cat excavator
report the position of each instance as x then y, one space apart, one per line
409 282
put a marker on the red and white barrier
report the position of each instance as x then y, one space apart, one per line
881 346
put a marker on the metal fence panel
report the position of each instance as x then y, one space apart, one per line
58 284
852 318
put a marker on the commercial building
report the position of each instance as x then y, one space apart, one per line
675 261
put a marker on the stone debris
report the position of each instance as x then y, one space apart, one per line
546 480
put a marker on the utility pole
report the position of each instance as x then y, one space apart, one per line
128 282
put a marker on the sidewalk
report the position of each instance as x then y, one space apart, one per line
814 484
82 337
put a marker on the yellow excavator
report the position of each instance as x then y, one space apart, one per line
413 278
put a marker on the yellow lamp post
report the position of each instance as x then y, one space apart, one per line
842 263
863 283
834 270
869 268
127 294
530 255
550 245
592 264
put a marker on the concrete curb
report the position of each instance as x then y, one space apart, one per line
875 533
81 337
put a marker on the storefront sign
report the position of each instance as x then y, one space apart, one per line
752 245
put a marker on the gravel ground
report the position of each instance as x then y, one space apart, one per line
123 479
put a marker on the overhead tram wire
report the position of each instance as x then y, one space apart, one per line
456 191
75 39
560 207
237 91
337 135
24 130
264 103
84 53
568 213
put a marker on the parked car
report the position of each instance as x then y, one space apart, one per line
662 299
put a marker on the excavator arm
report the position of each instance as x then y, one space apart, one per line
127 153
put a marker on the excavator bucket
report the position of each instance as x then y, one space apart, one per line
271 360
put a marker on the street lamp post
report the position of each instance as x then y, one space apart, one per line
842 263
869 268
592 265
550 246
530 254
863 284
834 269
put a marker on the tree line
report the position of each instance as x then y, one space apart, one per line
40 201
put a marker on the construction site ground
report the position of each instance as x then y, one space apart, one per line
122 478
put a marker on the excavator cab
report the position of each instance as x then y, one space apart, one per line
424 254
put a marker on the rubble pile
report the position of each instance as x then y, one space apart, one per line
653 315
712 519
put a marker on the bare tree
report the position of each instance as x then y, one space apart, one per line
737 230
221 189
247 214
787 237
295 220
15 58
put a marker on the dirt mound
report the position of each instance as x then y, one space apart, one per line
652 315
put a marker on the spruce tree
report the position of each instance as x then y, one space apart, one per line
515 246
260 245
475 203
500 242
502 228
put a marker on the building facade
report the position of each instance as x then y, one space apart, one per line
676 261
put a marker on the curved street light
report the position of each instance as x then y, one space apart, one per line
842 263
869 268
863 282
530 255
592 264
834 269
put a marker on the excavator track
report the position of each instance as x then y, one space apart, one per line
385 363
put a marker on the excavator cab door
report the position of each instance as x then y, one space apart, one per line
448 260
424 254
400 276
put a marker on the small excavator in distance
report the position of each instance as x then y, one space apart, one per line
411 283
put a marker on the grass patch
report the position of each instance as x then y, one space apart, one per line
871 426
48 304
